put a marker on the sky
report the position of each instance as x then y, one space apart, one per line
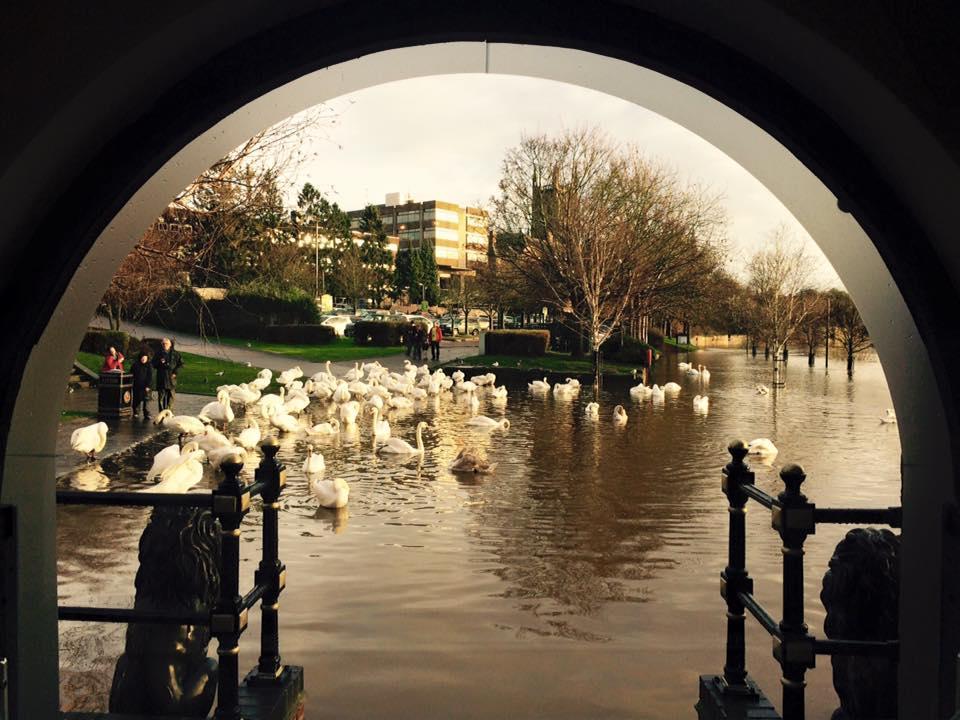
443 137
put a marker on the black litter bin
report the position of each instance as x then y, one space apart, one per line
115 395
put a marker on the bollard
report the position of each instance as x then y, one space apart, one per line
231 501
794 520
734 578
271 573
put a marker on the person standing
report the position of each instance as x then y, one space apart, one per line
436 335
411 337
418 341
166 362
113 360
142 376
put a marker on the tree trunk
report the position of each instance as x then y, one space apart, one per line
811 355
850 358
766 351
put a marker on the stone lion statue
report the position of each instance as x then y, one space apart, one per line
164 669
860 593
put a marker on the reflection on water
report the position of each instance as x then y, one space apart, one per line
580 579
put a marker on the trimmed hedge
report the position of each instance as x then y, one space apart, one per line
632 352
381 333
528 343
298 334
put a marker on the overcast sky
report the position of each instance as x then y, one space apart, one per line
443 137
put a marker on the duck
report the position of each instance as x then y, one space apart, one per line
763 447
592 410
325 428
488 423
889 417
330 493
381 428
250 435
671 387
539 386
701 403
401 447
620 415
182 475
468 460
219 410
314 462
89 440
185 424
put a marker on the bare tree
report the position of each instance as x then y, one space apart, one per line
848 326
813 327
355 276
601 227
779 280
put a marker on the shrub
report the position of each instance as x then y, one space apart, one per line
280 306
379 332
299 334
631 352
99 341
528 343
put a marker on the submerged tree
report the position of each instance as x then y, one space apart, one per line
779 281
848 326
602 227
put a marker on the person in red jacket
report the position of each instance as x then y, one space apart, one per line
113 360
436 335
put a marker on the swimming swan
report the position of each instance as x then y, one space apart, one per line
469 461
314 462
401 447
330 493
619 415
482 421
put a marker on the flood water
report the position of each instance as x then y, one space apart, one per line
579 580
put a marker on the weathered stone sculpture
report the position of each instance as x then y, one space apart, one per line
860 594
164 669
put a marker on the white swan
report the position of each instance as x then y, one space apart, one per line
314 462
640 392
272 400
168 456
288 376
400 447
219 410
399 402
186 424
89 440
539 386
457 376
704 374
250 436
592 410
349 412
218 456
330 493
325 428
692 372
381 428
701 403
619 415
762 447
210 439
499 393
283 422
181 475
296 405
683 366
474 403
656 393
671 387
341 394
469 461
573 382
487 423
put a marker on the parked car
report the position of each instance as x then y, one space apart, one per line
342 324
452 324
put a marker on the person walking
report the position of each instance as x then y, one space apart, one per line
436 335
166 362
142 376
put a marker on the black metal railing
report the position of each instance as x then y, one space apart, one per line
794 518
227 620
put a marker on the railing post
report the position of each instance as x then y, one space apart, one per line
734 578
231 501
794 520
271 573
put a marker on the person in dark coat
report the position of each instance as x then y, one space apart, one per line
142 376
419 339
166 362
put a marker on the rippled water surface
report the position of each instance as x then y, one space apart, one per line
579 580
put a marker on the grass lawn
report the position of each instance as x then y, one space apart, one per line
553 361
682 347
339 349
198 375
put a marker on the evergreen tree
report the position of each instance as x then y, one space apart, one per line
331 226
429 276
402 274
416 275
374 251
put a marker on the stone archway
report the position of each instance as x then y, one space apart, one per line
899 304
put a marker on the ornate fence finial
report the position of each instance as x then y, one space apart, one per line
793 477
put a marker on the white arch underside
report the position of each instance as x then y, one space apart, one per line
927 470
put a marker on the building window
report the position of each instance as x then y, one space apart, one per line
451 216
